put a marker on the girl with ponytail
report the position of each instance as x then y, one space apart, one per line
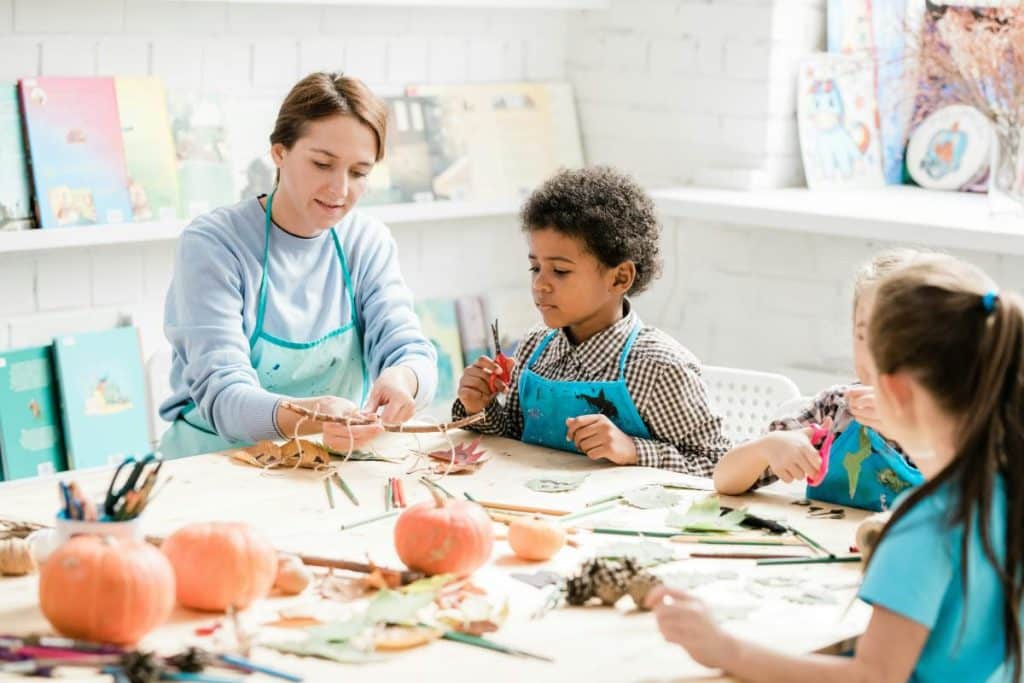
947 578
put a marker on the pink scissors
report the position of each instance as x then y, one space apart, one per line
821 438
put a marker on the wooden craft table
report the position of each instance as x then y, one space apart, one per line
588 644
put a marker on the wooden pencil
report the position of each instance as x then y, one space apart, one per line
746 540
589 511
368 520
387 494
746 556
815 560
511 507
811 542
633 532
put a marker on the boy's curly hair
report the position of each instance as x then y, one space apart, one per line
608 211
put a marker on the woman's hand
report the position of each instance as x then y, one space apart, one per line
393 395
685 620
337 435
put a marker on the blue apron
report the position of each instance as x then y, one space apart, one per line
547 403
864 471
330 366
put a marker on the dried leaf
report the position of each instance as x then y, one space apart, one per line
704 514
557 483
652 497
646 553
468 457
394 638
393 607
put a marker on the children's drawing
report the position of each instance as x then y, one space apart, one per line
106 399
838 122
950 149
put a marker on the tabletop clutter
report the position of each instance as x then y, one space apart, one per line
366 611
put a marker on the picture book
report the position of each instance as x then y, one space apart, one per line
148 148
836 113
103 396
437 317
200 136
15 192
76 155
414 153
31 443
474 329
502 140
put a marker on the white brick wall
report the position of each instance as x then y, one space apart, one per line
670 90
728 62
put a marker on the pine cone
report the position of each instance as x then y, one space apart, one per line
578 590
140 667
610 592
640 586
192 660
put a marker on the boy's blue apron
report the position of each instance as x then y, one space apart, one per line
864 471
330 366
548 403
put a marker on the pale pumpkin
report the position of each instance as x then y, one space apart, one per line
106 590
444 537
293 576
220 564
535 539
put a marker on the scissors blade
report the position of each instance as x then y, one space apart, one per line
497 338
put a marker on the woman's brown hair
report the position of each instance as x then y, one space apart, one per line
943 322
321 95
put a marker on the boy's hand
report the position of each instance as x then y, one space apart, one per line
791 456
474 390
861 402
598 437
687 621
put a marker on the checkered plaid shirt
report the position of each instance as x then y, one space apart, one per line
663 379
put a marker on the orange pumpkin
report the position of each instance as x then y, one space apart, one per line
220 564
106 590
533 538
444 537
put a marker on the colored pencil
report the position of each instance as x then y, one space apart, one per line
387 494
368 520
634 532
400 492
345 488
811 542
330 492
606 499
745 556
241 663
815 560
766 540
589 511
518 508
479 641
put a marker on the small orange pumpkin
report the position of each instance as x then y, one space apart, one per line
444 537
533 538
220 564
106 590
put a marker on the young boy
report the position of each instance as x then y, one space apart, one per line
594 379
865 470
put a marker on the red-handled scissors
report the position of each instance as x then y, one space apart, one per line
821 438
504 362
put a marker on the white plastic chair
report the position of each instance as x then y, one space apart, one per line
747 400
158 380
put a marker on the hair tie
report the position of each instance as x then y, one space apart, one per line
989 300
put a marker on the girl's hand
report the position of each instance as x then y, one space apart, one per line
861 402
474 388
791 456
598 437
685 620
393 395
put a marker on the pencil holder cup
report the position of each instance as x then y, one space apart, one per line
44 541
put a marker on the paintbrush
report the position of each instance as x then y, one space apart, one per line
815 560
479 641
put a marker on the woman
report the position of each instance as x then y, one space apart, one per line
293 296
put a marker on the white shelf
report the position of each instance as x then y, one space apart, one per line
956 220
482 4
132 233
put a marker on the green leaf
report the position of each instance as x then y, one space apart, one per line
557 483
343 652
704 514
393 607
652 497
432 584
338 631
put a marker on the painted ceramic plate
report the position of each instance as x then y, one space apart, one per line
950 149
